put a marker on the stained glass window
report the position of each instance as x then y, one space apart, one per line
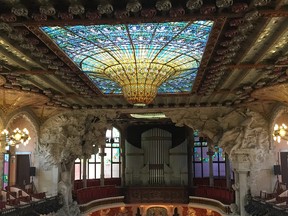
6 170
112 160
100 51
201 159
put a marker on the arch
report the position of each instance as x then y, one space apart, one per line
276 112
30 118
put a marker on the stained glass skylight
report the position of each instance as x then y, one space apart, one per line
109 54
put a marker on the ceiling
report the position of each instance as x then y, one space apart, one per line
245 62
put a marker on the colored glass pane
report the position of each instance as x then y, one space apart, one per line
116 154
101 51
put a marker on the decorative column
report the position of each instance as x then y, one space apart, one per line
190 149
242 167
1 167
123 158
84 177
12 166
210 153
227 171
102 154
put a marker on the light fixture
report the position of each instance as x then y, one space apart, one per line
148 115
136 60
16 138
280 132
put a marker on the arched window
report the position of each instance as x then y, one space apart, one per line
112 159
201 159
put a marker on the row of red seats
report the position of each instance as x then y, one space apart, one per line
205 181
78 184
89 194
224 195
8 199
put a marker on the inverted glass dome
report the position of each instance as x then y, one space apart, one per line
137 60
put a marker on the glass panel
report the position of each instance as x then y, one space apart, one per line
6 170
197 143
205 169
197 154
115 145
107 158
222 169
221 154
91 171
98 171
77 160
116 133
107 170
108 134
215 156
215 169
116 139
178 46
116 171
205 157
116 154
98 158
198 170
77 171
92 159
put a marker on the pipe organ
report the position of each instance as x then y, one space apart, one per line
151 165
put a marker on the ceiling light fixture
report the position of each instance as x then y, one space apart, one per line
148 115
16 138
280 132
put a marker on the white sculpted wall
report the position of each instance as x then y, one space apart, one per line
66 137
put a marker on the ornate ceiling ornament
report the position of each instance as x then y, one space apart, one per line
93 15
252 16
76 9
163 5
5 27
208 9
65 16
224 3
134 6
8 17
194 4
39 17
239 7
261 2
148 13
48 10
105 8
19 10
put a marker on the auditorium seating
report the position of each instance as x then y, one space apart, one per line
224 195
85 195
78 184
14 196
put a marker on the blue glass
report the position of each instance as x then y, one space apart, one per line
95 48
